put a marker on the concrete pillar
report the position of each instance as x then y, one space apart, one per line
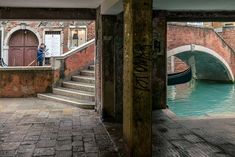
105 61
172 64
108 69
118 49
98 61
159 79
66 40
137 95
5 54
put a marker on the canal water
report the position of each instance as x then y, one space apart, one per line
201 98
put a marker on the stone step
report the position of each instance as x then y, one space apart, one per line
87 73
79 86
91 67
84 79
82 95
67 100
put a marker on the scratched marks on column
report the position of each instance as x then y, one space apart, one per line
157 45
141 67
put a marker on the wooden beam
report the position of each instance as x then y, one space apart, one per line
48 13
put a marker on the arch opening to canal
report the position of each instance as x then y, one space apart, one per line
209 51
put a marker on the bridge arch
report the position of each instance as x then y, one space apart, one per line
191 49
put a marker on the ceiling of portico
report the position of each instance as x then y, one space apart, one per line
115 6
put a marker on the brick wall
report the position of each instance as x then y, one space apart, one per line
79 61
228 35
73 64
91 30
178 65
25 82
186 35
41 26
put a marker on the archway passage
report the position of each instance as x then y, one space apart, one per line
22 48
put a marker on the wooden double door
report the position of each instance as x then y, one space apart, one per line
23 46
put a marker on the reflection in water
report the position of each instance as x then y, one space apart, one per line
198 98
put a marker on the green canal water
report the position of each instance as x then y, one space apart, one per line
199 98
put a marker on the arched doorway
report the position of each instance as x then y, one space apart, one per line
23 46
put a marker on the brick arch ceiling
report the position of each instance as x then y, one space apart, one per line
190 48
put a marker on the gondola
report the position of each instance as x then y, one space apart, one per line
180 77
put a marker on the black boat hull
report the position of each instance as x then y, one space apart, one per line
180 77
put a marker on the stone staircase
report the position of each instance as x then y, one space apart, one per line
79 91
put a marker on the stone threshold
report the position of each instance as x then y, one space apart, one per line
173 116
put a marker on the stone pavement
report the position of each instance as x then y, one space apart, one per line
197 137
33 127
175 137
181 137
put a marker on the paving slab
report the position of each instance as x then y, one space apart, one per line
184 137
33 127
209 136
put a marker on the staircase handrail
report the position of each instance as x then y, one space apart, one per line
73 51
222 39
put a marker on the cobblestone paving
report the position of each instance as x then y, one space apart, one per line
173 137
32 127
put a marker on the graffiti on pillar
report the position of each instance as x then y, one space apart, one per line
141 67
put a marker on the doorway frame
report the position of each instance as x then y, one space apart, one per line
5 52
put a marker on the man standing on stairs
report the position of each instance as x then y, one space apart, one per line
40 54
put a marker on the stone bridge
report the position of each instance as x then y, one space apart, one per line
209 56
